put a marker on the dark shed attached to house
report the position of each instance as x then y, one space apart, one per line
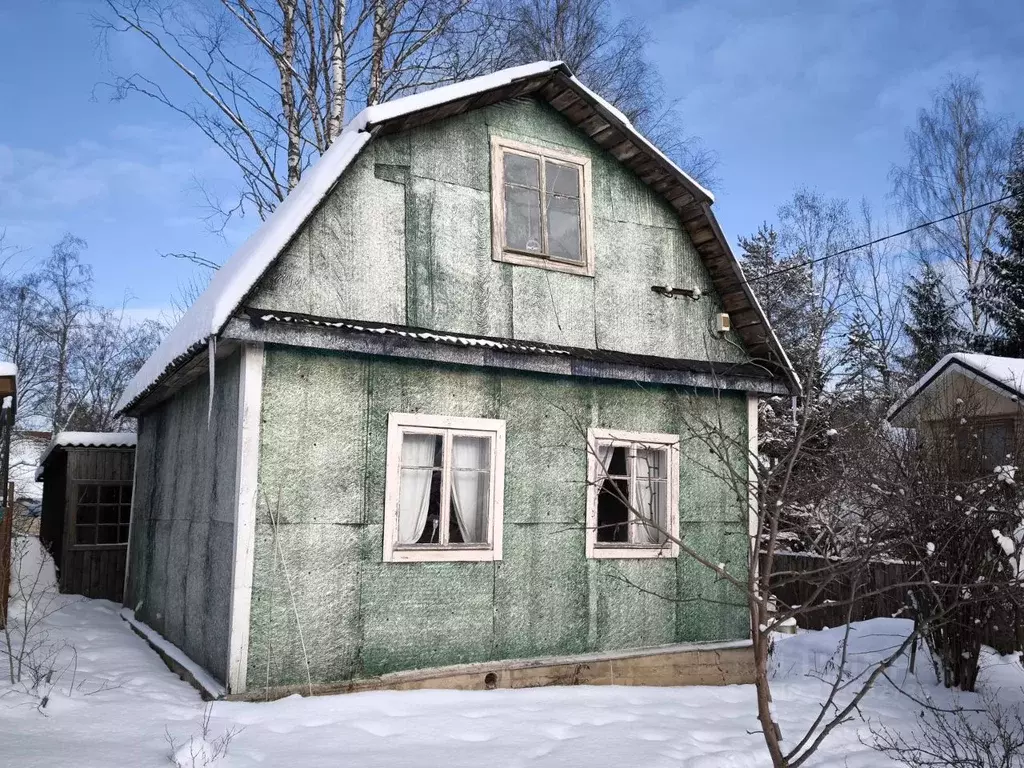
87 499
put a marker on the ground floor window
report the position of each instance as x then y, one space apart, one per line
633 492
445 481
102 513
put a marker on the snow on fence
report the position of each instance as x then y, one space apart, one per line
880 590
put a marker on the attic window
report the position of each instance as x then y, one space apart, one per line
541 207
633 494
444 488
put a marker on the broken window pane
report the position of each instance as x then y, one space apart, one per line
613 494
564 240
563 180
522 219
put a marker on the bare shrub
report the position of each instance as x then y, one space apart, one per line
989 736
200 749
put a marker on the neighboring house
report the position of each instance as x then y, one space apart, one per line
393 432
86 510
969 404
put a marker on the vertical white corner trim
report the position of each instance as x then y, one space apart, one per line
250 402
752 457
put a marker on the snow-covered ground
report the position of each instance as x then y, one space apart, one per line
118 704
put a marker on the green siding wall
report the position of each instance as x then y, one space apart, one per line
405 238
320 525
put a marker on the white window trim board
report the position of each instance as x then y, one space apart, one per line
495 428
605 552
247 458
498 146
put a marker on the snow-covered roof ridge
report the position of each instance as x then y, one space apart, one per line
89 440
8 369
1007 372
236 278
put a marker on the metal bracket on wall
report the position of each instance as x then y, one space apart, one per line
672 292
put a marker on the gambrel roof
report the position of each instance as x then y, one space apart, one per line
552 82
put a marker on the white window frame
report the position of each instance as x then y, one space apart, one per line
402 423
499 147
618 550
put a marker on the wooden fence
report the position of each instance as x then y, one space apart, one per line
879 590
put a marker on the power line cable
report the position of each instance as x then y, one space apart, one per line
877 240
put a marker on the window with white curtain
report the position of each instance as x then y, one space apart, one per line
445 480
632 494
541 207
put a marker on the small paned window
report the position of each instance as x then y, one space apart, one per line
541 215
102 513
633 491
444 488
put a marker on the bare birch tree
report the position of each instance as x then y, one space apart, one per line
609 56
268 82
957 156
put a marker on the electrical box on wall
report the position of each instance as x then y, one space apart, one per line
724 322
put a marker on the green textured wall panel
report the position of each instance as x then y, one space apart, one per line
547 478
543 598
419 615
540 591
305 603
553 307
635 603
327 398
405 237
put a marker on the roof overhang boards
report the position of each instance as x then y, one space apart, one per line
563 92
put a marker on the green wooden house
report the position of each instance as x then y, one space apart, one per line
434 412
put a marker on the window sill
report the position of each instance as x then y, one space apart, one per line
452 555
540 262
633 553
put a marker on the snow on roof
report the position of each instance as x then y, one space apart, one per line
208 315
88 440
1007 372
8 369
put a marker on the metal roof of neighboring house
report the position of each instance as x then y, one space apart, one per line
1005 374
551 81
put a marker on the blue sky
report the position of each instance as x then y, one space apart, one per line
788 94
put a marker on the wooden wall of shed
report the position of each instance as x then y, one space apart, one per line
405 238
54 506
94 571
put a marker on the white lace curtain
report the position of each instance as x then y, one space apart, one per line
649 496
470 483
414 502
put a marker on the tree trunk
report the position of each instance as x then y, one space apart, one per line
339 86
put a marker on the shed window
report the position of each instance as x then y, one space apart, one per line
986 444
633 490
102 513
444 488
541 198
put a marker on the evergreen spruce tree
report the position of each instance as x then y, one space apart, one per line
933 330
1003 295
785 297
